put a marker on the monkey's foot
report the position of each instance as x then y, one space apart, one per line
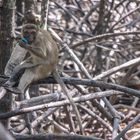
11 87
9 84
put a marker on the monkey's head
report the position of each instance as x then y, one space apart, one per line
29 32
31 17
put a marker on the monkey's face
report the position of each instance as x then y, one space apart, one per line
30 35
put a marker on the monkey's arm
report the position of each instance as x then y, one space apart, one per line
27 64
17 56
34 50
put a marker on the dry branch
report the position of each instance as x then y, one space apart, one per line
56 137
58 103
104 36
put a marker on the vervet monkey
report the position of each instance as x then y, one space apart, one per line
19 53
41 62
42 59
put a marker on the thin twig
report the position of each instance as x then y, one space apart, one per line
129 13
97 117
127 127
104 36
117 68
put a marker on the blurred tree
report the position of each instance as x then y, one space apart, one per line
6 43
19 10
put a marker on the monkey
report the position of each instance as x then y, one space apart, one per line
19 53
42 60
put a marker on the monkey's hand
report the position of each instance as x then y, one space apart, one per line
24 43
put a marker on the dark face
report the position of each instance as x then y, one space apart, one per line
30 35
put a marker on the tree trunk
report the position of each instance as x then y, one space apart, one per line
6 43
19 9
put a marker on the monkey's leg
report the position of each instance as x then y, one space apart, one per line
26 79
18 72
15 77
24 83
65 90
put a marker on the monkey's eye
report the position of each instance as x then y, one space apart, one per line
33 32
26 33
